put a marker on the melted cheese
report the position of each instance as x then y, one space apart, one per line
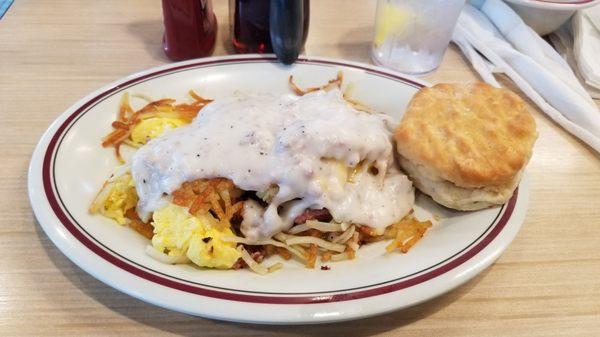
295 143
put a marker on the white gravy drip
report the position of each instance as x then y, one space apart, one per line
301 144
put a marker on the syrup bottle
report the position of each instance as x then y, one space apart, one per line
265 26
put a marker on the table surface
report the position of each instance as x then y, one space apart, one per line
53 52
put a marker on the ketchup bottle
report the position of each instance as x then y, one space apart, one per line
190 28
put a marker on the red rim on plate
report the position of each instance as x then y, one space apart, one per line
239 295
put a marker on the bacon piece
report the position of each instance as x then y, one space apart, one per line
313 214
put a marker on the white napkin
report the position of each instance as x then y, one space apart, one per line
593 14
495 39
562 40
586 47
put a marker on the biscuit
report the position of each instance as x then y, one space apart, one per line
466 145
464 199
472 135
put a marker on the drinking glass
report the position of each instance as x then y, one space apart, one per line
411 36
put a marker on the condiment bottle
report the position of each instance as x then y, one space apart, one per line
266 26
190 28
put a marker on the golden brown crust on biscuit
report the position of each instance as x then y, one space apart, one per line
473 135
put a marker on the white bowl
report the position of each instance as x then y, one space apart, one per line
545 16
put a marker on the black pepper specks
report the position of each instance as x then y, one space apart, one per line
207 239
144 181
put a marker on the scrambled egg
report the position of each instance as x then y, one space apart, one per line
121 197
150 128
336 174
177 233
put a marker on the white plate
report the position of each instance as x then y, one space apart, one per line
69 165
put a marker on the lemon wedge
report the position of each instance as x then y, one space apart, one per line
390 19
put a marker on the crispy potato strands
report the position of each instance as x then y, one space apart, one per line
127 118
